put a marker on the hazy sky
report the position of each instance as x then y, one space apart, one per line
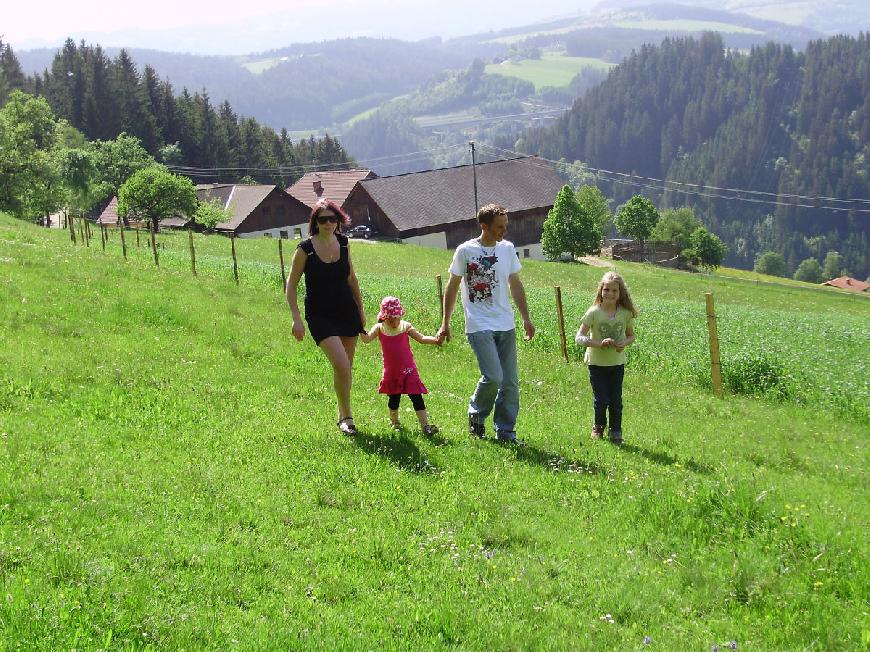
222 27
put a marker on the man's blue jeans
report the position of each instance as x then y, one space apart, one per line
499 385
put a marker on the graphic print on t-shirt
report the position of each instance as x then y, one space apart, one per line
614 330
480 278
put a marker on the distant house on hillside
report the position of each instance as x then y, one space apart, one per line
848 283
334 185
436 208
109 216
257 210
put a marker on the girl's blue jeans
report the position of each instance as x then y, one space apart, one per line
607 394
499 385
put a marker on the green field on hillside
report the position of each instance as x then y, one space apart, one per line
685 26
171 476
550 70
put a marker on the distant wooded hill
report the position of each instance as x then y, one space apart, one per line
792 124
319 86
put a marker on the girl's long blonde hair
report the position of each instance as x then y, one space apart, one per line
624 295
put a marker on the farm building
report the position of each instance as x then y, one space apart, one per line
436 208
256 209
334 185
848 283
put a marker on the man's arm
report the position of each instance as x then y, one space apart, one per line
450 293
518 292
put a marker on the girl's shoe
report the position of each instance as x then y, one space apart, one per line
430 430
616 437
347 426
597 432
395 425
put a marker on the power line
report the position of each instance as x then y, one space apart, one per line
631 180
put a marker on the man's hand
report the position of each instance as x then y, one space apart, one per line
444 333
529 328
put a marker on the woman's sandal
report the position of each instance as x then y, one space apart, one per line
347 426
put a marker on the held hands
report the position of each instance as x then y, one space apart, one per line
443 334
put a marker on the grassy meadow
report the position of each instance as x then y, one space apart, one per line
552 69
171 476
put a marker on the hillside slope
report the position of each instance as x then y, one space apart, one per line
172 475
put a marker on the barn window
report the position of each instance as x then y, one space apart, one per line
526 253
283 234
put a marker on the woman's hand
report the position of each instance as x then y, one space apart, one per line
298 330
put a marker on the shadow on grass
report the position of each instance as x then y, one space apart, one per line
666 459
398 449
534 456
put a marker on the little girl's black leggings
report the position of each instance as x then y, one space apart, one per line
416 400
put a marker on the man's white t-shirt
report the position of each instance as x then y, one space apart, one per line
485 289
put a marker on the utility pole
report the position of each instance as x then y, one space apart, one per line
474 172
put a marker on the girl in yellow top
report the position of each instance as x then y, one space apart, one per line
606 329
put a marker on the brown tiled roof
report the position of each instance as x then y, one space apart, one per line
109 216
444 196
848 283
241 199
335 184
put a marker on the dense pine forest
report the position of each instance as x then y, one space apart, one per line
103 97
792 124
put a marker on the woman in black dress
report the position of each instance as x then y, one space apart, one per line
333 305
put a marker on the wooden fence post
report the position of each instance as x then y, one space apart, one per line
123 241
137 238
70 222
154 245
235 263
715 365
561 315
103 236
192 251
83 230
440 296
281 258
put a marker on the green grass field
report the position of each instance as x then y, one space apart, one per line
685 26
171 476
550 70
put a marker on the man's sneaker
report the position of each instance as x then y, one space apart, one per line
475 426
616 437
509 438
597 432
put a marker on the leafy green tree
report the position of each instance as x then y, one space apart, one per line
637 217
706 249
833 265
571 227
115 160
677 225
28 135
212 212
76 170
809 271
771 263
153 193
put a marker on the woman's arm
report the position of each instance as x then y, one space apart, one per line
297 267
424 339
354 288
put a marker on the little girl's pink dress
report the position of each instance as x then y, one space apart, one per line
400 370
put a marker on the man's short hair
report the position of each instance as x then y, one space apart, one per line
489 212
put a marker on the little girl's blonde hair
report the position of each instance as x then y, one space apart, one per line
624 295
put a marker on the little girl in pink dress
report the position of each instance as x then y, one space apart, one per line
400 371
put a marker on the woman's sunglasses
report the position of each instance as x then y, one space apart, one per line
323 219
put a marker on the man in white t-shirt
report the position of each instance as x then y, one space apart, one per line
488 270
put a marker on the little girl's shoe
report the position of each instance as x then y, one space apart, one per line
430 430
597 432
395 425
616 437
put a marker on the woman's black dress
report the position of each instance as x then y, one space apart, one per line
330 308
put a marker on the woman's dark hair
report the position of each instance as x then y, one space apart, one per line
326 205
